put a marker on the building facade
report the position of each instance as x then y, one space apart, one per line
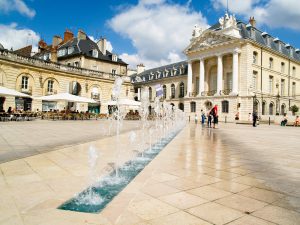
37 77
235 66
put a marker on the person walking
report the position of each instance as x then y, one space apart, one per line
209 120
254 118
202 117
215 116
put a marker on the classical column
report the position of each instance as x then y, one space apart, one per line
220 75
139 94
201 77
190 79
235 72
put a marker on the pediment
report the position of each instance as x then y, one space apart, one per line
206 40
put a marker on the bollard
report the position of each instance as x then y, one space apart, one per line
269 120
225 119
189 118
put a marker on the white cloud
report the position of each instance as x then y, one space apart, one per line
273 13
159 31
13 37
7 6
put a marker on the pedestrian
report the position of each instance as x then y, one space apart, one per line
215 116
202 117
209 120
254 118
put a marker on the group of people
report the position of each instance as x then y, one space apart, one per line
284 121
212 117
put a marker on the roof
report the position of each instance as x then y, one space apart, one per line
171 70
26 51
1 47
265 39
85 47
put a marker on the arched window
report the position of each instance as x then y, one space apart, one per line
263 108
271 63
172 90
255 57
193 106
283 107
181 106
150 93
50 86
271 108
225 106
181 90
164 92
24 84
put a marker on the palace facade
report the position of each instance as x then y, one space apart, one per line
51 72
233 65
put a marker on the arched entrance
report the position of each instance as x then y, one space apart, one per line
181 106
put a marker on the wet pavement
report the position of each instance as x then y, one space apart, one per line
237 175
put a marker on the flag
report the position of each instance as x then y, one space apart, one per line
159 90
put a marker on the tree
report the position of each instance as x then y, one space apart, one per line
294 109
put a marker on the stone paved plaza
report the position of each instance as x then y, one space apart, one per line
237 175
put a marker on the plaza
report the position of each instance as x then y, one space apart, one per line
236 174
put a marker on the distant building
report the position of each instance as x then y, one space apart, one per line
233 65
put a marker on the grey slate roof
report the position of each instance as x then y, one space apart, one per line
85 47
171 70
1 47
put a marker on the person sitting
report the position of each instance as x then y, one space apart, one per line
297 121
284 120
10 111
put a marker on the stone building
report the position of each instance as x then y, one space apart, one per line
38 77
235 66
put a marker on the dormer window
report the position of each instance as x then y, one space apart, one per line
61 52
70 50
114 58
95 53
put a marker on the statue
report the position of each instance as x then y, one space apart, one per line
197 31
227 21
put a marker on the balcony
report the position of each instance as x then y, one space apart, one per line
51 92
226 91
27 90
95 96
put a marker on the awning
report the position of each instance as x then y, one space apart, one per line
66 97
10 92
125 102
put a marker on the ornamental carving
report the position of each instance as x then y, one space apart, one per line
227 21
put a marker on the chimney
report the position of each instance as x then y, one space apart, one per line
140 68
81 35
54 54
68 35
42 45
252 21
102 45
56 41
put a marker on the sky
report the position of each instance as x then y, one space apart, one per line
152 32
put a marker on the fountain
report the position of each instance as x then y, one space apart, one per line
152 138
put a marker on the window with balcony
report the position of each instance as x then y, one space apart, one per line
50 86
172 90
193 106
164 91
270 84
282 67
24 84
254 80
255 60
181 90
294 89
271 63
225 106
282 87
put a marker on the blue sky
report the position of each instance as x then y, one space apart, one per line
152 32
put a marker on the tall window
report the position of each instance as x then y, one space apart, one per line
172 90
255 57
225 106
271 108
294 89
270 84
113 71
50 86
150 93
282 67
24 82
294 71
181 90
193 106
271 63
164 91
95 53
254 80
263 108
282 87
